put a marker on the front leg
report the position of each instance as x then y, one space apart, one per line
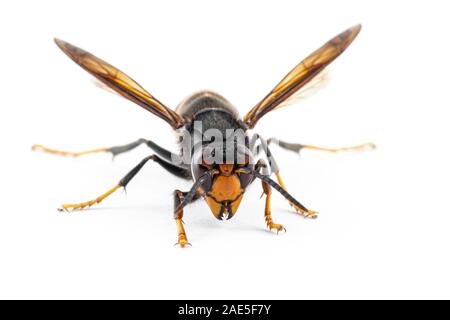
267 211
182 239
181 199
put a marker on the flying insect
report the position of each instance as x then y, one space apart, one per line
218 151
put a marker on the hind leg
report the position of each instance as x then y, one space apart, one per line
113 150
297 147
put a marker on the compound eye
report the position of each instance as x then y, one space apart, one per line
246 178
199 170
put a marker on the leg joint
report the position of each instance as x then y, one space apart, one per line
130 175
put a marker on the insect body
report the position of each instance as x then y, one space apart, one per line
218 153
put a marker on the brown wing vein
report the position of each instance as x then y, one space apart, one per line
304 72
120 83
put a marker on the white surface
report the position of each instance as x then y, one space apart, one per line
383 230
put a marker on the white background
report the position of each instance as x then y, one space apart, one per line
383 230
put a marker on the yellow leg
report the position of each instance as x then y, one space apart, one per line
38 147
182 239
66 207
361 147
267 212
308 214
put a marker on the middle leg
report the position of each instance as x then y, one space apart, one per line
178 171
263 146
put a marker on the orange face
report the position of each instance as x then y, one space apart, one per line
223 189
226 193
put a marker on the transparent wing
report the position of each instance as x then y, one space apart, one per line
102 86
318 83
303 73
120 83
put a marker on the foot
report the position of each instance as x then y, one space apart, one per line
78 206
182 241
311 214
276 226
82 205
